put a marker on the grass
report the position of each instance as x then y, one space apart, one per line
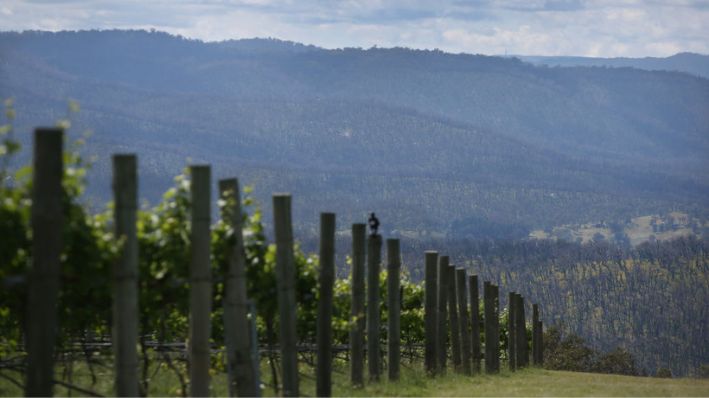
532 382
529 382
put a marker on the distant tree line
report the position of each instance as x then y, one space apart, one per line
650 299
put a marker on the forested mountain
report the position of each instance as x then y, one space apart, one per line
434 142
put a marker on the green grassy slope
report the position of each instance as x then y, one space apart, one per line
529 382
533 382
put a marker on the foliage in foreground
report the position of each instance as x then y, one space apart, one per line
163 237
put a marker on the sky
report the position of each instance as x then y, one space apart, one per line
598 28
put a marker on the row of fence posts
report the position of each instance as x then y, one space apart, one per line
47 225
367 316
449 325
446 309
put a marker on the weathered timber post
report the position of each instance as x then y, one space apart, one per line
463 318
475 322
442 314
535 331
200 281
254 355
374 259
285 281
517 335
496 327
394 305
47 228
487 316
430 314
520 328
454 321
125 276
492 335
359 235
540 342
511 333
241 373
326 281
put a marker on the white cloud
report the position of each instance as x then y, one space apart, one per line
543 27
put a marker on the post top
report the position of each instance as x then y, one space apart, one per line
124 155
232 180
48 130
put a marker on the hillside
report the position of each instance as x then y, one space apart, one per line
530 382
634 231
538 383
437 143
612 296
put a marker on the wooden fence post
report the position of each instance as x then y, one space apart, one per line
442 314
240 369
374 260
475 322
495 291
359 235
463 318
285 280
521 329
327 280
511 333
517 335
254 354
454 321
125 276
430 314
487 316
200 281
47 229
394 305
540 340
492 332
535 332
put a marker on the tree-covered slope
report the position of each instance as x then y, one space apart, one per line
649 300
428 138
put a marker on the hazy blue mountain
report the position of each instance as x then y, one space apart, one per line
434 142
695 64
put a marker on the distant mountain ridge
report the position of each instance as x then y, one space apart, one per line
437 143
692 63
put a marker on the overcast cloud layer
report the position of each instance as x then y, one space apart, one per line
526 27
